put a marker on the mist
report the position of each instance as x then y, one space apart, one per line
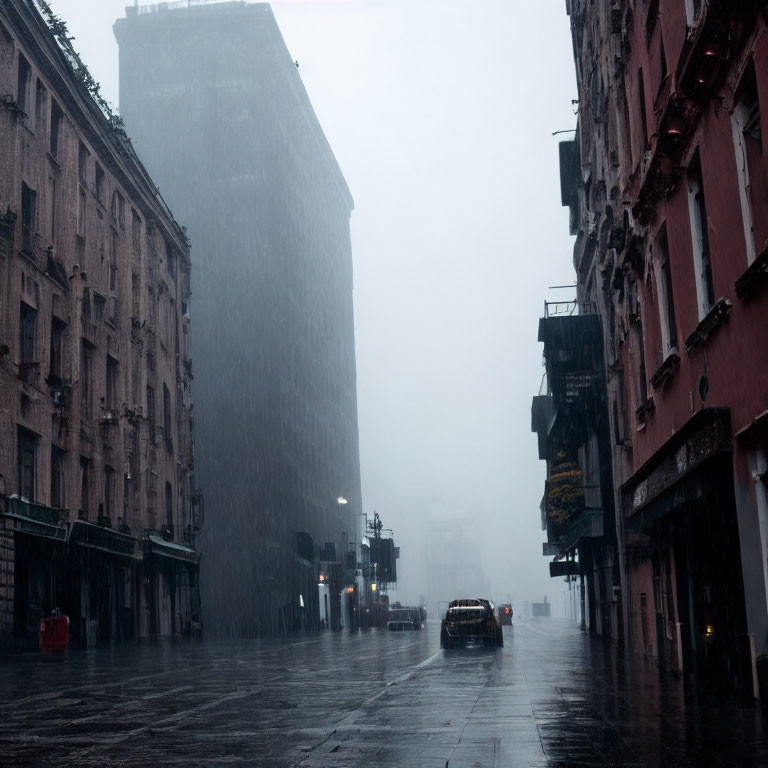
441 117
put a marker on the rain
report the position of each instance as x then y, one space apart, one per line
367 384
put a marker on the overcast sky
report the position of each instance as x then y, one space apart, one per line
441 114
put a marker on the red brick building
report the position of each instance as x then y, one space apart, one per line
97 500
667 182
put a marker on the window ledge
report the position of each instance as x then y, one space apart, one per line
646 408
711 321
667 370
754 279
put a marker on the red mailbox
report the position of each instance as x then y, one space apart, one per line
54 634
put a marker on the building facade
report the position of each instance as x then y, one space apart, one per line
667 185
96 463
216 106
570 417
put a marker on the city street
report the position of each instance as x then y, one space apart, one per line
550 697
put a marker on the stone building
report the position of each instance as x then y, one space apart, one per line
98 508
667 186
216 106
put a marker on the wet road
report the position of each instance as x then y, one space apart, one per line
549 698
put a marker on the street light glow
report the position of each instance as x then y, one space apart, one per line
341 500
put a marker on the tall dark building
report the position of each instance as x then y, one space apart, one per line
217 108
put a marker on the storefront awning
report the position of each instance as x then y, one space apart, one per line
35 519
159 546
104 539
694 461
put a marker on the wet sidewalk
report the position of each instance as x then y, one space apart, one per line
550 697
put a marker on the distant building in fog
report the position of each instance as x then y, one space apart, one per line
96 461
454 563
216 105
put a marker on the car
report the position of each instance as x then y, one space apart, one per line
470 620
401 615
400 619
505 613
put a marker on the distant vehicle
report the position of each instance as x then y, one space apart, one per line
505 613
470 620
403 617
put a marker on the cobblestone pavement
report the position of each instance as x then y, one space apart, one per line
550 698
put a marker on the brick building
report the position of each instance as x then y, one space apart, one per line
667 186
97 502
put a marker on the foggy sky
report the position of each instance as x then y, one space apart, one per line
440 113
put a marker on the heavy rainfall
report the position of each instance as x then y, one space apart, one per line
382 383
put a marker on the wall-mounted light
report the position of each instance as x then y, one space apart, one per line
675 127
707 64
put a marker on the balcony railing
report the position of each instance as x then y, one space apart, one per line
569 308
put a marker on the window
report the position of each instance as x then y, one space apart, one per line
759 462
86 371
643 119
666 300
58 497
169 505
81 213
27 322
27 442
641 380
39 106
109 493
99 183
705 290
651 18
117 208
151 412
55 373
620 421
111 382
135 296
28 213
626 132
692 11
135 231
22 86
98 307
113 261
170 261
53 146
167 418
747 143
85 488
82 163
52 206
85 308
